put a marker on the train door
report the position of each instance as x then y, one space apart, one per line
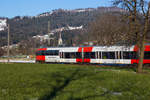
87 54
119 57
80 55
84 55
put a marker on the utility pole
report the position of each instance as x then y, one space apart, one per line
8 45
48 33
48 26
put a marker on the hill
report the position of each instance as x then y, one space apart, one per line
23 28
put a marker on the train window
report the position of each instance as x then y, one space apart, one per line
89 55
111 55
126 55
40 53
70 55
78 55
52 52
147 55
93 55
133 55
129 55
56 52
73 55
86 55
48 52
66 55
104 55
108 55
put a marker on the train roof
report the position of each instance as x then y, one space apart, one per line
94 48
89 46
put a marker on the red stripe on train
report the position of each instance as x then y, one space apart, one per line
134 61
87 60
135 48
147 48
87 49
80 49
79 60
42 49
40 58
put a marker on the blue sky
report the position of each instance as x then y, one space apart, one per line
11 8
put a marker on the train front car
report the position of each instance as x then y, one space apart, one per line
48 55
52 55
40 55
146 55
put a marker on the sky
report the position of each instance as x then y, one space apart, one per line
12 8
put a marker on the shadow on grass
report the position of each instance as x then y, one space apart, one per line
63 81
58 88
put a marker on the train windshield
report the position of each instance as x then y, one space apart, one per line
40 53
52 52
48 53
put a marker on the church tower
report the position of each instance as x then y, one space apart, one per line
60 42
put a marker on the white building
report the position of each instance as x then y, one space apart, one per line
3 24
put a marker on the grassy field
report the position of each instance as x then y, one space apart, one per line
71 82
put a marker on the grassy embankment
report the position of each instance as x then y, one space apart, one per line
71 82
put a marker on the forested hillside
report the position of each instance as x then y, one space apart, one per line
23 28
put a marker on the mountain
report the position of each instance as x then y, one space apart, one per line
23 28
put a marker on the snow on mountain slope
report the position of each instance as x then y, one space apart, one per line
3 24
67 28
45 37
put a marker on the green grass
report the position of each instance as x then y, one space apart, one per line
71 82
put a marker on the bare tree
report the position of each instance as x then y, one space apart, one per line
137 8
28 47
1 52
109 29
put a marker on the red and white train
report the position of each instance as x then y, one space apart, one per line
93 55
